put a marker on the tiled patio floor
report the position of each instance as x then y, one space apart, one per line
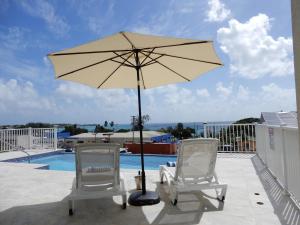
32 196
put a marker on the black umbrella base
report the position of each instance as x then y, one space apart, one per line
138 199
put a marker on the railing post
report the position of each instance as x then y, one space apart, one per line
29 138
204 130
55 138
284 162
1 142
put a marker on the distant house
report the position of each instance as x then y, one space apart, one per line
279 118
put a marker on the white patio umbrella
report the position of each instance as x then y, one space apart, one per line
131 60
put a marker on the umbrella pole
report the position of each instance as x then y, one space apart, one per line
141 132
143 197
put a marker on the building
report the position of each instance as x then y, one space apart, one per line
279 118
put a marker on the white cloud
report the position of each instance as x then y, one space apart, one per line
161 22
21 101
217 11
222 90
243 93
13 38
202 92
253 52
44 10
17 68
97 14
110 98
181 104
16 42
280 97
95 25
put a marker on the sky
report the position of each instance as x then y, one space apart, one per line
253 38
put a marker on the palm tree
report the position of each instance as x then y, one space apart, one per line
111 124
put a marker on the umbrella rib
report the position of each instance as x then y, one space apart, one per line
180 57
94 64
169 68
115 70
147 56
181 44
142 78
125 64
124 58
132 45
152 61
90 52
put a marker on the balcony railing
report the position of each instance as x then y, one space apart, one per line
233 137
278 148
28 138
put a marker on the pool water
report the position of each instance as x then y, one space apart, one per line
66 162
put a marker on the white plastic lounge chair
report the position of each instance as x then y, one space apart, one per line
97 173
195 169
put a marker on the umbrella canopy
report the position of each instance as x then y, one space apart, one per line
109 62
131 60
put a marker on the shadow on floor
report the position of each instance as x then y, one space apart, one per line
189 210
286 210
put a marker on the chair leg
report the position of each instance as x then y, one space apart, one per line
124 201
174 202
173 195
71 207
222 194
161 175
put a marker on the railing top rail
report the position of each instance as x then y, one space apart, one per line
26 129
50 128
12 129
232 124
276 126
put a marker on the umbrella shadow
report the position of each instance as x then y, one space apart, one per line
189 209
97 211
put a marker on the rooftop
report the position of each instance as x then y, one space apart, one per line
280 118
33 196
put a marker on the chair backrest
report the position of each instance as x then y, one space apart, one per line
97 164
196 159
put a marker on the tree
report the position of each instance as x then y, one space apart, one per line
101 129
111 124
105 123
248 120
179 131
38 125
74 130
135 121
122 131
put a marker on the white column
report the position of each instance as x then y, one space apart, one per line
295 4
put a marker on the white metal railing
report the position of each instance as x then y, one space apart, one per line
278 148
232 137
28 138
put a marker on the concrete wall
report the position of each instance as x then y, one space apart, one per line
152 148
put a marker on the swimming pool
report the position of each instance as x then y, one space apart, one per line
66 161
